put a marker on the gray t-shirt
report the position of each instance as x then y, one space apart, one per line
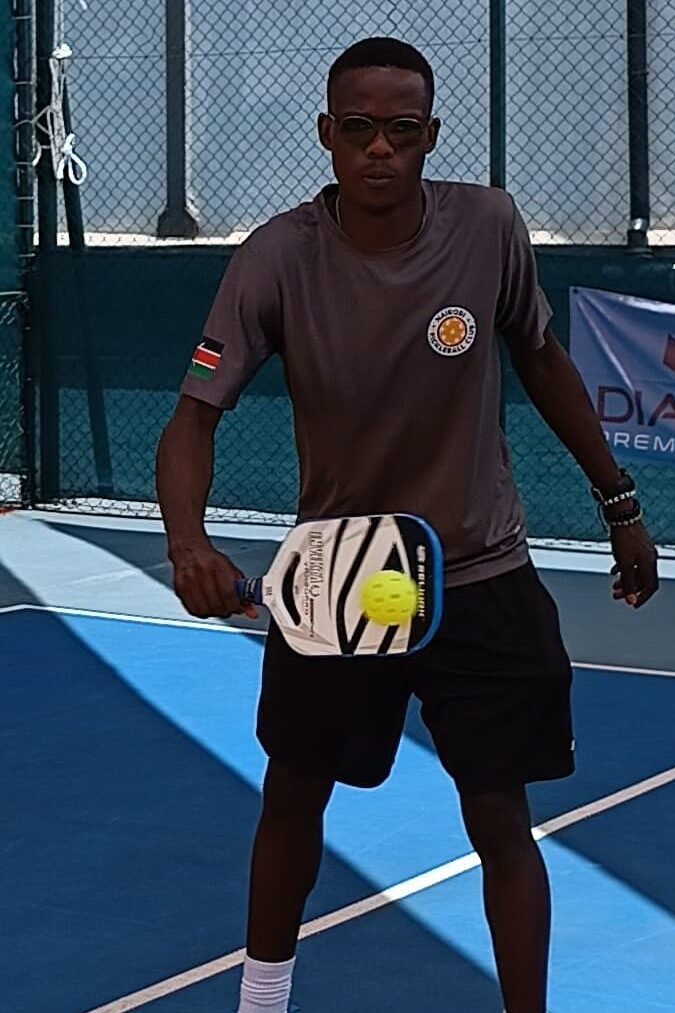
392 363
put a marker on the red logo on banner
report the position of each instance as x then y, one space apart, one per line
669 357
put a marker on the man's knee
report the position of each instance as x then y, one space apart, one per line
497 822
294 795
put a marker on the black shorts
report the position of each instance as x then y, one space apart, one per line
494 685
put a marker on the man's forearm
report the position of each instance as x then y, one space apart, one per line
184 475
557 391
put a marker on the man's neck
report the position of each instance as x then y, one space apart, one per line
380 231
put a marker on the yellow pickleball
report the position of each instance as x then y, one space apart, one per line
389 598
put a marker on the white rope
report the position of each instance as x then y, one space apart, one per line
50 121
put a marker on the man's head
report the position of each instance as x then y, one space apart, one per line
379 125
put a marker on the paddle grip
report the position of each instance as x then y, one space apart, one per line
250 589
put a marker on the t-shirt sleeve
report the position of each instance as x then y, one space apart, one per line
242 330
523 311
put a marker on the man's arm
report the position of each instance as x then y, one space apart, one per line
557 391
203 577
243 329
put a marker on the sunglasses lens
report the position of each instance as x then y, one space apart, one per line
400 133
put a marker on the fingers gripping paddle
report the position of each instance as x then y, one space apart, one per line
355 586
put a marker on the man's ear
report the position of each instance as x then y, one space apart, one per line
434 128
325 128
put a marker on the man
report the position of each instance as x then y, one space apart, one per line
383 296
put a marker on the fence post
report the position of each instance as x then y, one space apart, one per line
498 135
638 124
47 203
25 180
50 465
176 219
498 93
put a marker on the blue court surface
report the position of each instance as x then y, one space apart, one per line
130 793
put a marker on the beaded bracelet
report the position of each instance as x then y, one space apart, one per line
620 498
627 488
626 520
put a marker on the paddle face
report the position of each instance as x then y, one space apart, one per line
313 588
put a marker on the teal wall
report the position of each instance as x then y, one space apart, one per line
140 312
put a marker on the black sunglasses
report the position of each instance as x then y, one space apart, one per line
401 131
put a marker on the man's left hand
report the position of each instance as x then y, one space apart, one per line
636 565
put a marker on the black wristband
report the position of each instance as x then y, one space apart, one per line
623 490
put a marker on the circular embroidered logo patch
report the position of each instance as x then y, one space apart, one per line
452 331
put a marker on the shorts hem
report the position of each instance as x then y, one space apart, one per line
313 765
515 780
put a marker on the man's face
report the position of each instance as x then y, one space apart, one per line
378 169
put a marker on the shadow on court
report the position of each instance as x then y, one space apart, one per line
146 551
599 630
596 628
126 844
126 850
13 591
624 734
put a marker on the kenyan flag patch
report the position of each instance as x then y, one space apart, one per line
205 359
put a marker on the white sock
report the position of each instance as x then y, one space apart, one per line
266 986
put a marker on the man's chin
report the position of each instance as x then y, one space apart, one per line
377 200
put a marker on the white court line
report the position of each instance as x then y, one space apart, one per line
621 668
588 548
379 900
195 624
570 560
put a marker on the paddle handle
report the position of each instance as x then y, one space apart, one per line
250 589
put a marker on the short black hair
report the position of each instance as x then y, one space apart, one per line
383 52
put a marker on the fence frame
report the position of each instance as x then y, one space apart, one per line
42 480
177 220
24 115
638 124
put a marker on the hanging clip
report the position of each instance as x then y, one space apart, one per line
70 162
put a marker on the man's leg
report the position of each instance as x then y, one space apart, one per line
516 892
326 715
495 692
286 857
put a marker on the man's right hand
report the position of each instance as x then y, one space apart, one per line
204 580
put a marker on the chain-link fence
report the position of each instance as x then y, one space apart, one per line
661 93
255 81
13 460
567 129
197 122
556 492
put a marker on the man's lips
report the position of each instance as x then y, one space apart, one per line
378 174
377 179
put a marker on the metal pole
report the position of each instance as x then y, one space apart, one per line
177 219
47 203
498 134
498 93
50 469
25 113
638 124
